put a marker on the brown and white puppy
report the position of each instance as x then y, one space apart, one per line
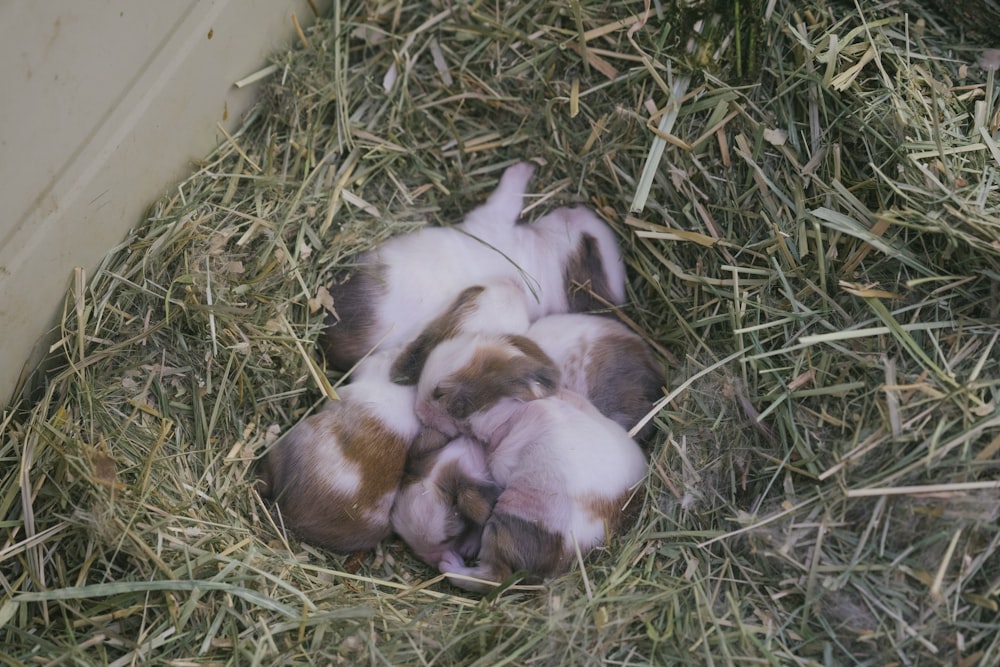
604 360
394 290
566 471
446 498
334 475
495 307
470 372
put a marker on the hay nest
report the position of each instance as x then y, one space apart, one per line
808 200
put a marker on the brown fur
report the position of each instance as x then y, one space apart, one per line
343 338
309 506
473 502
421 455
490 377
514 544
629 380
411 361
585 274
617 513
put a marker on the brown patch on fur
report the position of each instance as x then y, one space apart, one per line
379 452
493 374
309 505
409 363
624 380
514 544
618 512
585 274
348 334
473 502
530 349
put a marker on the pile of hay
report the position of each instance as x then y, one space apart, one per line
807 196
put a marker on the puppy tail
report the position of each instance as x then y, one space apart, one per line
503 206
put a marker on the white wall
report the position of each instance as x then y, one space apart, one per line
103 106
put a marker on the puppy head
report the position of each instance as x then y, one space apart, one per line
444 501
498 306
473 372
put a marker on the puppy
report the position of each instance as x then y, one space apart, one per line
566 471
397 288
604 360
446 497
496 307
334 476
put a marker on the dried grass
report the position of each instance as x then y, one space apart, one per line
812 228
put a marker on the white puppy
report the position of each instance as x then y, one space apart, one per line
397 288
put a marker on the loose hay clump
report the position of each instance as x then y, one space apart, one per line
817 255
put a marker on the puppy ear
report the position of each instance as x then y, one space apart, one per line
427 442
536 375
475 500
585 276
410 362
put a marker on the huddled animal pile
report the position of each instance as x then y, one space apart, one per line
485 420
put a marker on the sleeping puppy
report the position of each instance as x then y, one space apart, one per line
394 290
604 360
499 306
566 471
334 475
446 498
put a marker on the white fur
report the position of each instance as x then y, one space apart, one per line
425 270
496 307
555 457
372 390
500 308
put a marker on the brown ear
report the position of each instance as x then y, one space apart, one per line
410 362
420 457
535 375
475 501
585 275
